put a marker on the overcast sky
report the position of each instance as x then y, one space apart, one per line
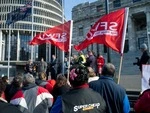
69 4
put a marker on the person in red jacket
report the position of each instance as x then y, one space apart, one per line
100 63
41 81
142 104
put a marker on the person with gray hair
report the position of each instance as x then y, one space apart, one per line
114 95
32 98
144 58
28 79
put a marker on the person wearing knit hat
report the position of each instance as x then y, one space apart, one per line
79 99
144 58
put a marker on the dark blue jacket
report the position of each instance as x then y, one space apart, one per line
114 95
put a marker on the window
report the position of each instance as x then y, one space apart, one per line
126 46
142 40
116 3
80 31
99 8
136 0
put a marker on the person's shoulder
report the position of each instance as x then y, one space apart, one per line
44 92
8 108
146 92
120 89
12 109
95 82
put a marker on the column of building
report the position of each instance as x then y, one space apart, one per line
148 27
131 34
18 46
0 45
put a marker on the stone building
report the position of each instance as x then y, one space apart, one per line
138 29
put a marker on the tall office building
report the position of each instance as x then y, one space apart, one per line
46 14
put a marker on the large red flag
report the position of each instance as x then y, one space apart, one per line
108 30
58 36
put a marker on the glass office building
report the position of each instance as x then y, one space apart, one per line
46 14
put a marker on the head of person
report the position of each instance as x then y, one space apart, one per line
75 57
66 59
90 53
143 47
53 57
108 70
78 76
86 56
30 62
2 87
80 53
17 81
28 79
5 79
42 75
42 59
61 80
91 72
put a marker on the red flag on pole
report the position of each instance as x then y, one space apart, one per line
58 36
108 30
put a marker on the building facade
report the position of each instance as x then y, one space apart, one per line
46 14
138 28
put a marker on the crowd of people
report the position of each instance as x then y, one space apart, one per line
87 86
54 67
38 95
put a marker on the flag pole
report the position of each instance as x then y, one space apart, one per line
63 54
9 38
32 30
123 42
70 42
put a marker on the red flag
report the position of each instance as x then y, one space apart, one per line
58 36
108 30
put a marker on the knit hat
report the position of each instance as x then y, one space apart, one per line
143 46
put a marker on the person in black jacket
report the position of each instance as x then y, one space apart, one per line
144 58
15 86
53 68
61 86
80 99
4 106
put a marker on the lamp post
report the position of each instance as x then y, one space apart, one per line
107 12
